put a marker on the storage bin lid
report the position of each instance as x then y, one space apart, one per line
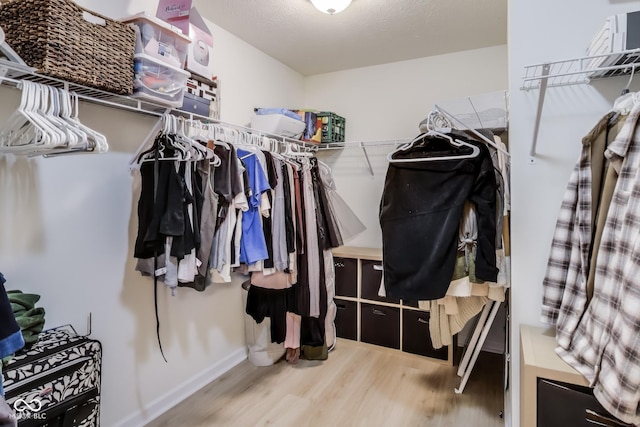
157 22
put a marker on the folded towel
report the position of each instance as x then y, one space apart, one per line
19 299
31 323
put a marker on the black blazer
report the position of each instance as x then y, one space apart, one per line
420 212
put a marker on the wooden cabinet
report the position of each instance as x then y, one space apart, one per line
364 316
552 393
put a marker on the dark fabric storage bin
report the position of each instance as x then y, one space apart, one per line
346 277
195 104
371 277
346 319
416 338
563 405
380 325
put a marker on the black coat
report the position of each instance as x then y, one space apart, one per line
420 214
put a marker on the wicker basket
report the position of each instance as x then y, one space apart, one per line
60 39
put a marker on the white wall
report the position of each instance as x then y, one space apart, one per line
67 229
539 31
388 102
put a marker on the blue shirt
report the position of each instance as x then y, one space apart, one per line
253 247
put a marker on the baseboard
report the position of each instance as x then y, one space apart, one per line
180 393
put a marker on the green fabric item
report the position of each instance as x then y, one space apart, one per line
31 319
31 323
460 270
17 308
27 301
315 353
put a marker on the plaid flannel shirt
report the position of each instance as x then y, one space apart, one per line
564 286
605 346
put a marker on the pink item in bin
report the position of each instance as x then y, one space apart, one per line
175 12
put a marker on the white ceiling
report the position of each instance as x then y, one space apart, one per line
368 32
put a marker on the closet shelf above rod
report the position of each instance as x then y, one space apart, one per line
580 70
571 72
12 74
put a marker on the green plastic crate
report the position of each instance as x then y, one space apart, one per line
333 127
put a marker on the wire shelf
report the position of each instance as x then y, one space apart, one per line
12 74
580 70
484 111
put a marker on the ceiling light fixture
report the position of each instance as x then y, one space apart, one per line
331 6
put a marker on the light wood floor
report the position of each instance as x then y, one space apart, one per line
359 385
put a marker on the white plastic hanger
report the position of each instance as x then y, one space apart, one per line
28 129
102 145
88 140
39 112
19 129
294 150
50 108
473 131
626 101
454 142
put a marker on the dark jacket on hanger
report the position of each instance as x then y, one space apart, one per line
420 212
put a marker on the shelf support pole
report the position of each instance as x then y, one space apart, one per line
543 90
366 156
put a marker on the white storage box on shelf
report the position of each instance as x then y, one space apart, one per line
159 39
278 124
157 82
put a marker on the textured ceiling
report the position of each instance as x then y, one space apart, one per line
368 32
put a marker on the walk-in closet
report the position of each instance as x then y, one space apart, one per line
319 213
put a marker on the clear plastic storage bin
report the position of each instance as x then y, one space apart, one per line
159 39
278 124
157 82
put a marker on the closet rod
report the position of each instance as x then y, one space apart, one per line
360 144
363 145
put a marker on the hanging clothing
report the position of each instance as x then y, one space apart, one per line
312 248
420 211
221 254
347 222
207 225
258 213
253 247
568 268
602 339
279 232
